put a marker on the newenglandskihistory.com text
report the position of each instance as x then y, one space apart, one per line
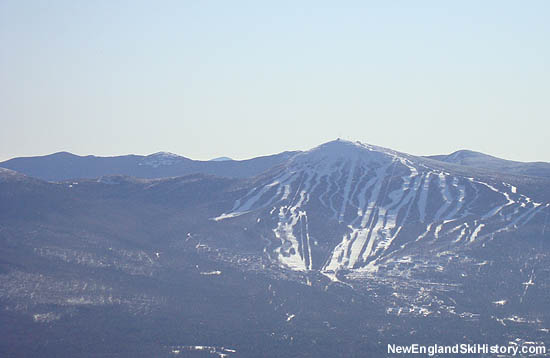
512 349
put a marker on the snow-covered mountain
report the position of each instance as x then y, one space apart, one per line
336 251
380 205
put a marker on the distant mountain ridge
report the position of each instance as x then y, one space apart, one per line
488 162
63 166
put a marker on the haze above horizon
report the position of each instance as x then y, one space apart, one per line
245 79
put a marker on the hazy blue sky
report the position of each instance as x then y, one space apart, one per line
247 78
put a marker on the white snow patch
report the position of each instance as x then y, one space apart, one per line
46 317
476 232
289 317
228 216
210 273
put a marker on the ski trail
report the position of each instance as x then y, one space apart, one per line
308 243
527 284
545 221
347 189
423 199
